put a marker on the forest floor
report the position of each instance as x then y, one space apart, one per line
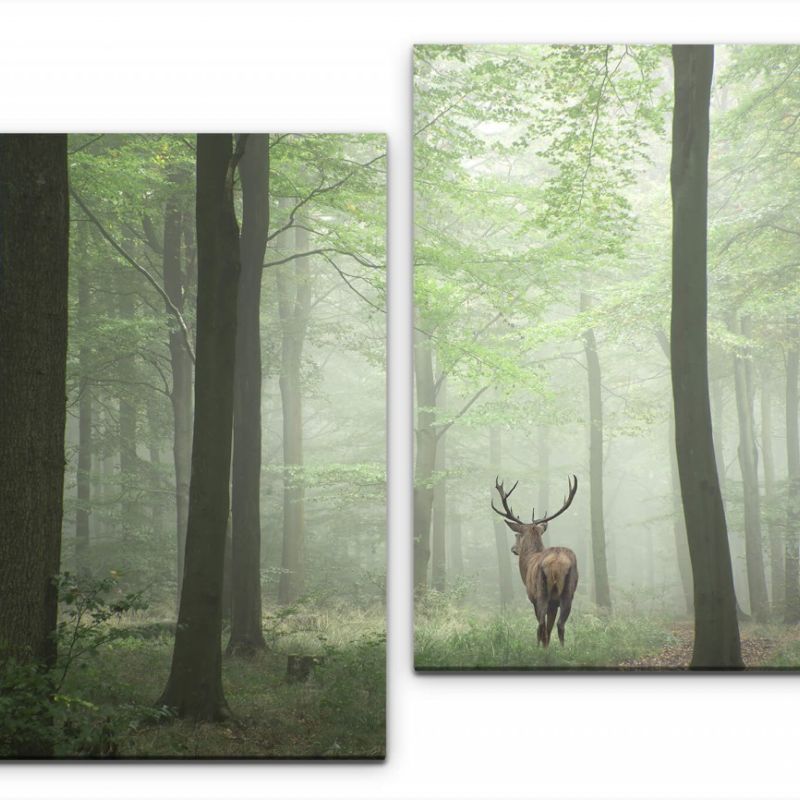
453 638
763 647
338 712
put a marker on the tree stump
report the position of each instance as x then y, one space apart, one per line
299 667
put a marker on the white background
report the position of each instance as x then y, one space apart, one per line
346 66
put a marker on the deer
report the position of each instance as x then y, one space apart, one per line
550 574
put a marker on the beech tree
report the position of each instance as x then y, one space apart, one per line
194 688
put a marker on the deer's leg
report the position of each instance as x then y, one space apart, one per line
566 607
552 611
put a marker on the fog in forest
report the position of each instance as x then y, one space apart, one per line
221 553
543 257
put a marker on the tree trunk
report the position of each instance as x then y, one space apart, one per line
716 643
176 287
777 578
294 302
194 687
456 545
128 462
34 221
601 586
792 556
748 463
438 553
425 461
84 473
678 524
156 506
246 633
501 538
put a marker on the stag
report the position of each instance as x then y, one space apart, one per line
550 574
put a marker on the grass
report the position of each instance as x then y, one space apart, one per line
339 712
453 638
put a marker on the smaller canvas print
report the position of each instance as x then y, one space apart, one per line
606 337
192 429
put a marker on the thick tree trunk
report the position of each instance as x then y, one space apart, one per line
34 222
777 578
194 687
716 643
246 633
792 556
425 460
294 302
438 550
502 541
175 285
601 585
84 473
748 463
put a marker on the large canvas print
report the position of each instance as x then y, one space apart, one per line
606 338
192 470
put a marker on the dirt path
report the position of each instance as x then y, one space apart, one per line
756 650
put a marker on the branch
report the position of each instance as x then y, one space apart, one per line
463 411
321 251
171 307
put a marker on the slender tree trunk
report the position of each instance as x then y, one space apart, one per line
438 551
194 688
601 585
176 285
425 457
84 474
456 545
543 456
294 302
748 462
678 524
501 538
792 556
155 466
777 578
246 633
128 461
34 221
716 643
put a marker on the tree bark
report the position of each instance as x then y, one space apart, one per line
716 643
34 243
438 552
194 688
176 286
456 545
792 556
246 634
601 585
294 303
501 537
425 461
777 577
748 463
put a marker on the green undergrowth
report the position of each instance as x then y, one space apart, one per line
338 712
449 637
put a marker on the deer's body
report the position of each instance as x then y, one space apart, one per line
550 574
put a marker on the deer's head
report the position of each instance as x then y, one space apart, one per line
528 535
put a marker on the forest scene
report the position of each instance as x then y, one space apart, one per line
606 338
192 429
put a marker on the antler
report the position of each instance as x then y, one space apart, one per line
504 495
573 487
